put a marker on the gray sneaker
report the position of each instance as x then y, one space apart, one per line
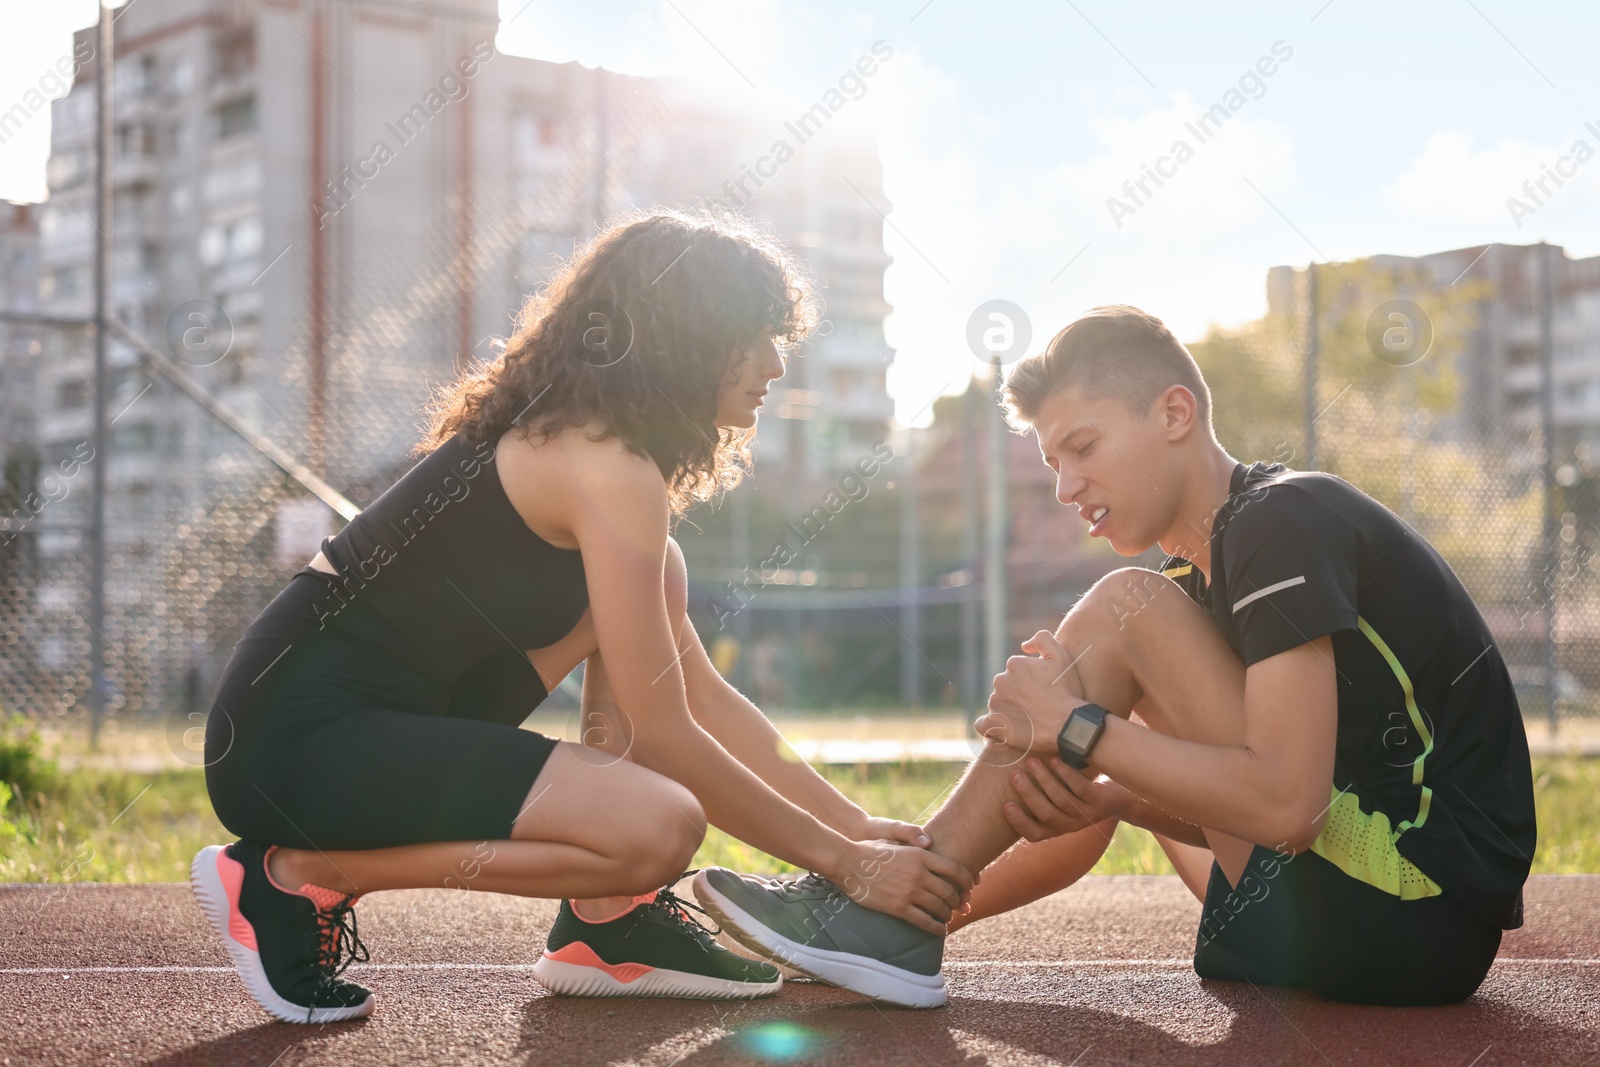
810 925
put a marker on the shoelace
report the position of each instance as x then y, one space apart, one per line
811 881
339 945
678 909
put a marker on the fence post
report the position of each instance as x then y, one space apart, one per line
105 122
1308 344
971 404
995 576
910 581
1547 433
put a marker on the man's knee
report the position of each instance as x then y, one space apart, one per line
1117 602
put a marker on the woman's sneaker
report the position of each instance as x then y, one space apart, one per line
810 925
289 945
653 948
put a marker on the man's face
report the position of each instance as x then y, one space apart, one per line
1110 464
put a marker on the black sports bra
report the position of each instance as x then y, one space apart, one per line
448 576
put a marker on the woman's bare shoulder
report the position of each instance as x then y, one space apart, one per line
572 468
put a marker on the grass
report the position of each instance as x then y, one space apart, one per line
107 825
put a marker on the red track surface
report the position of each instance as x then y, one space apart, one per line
1095 975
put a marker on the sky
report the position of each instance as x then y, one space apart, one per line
1007 127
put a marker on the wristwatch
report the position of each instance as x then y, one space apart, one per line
1079 734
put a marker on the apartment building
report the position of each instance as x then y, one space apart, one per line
324 208
1499 364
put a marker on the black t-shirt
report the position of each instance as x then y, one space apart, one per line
1431 768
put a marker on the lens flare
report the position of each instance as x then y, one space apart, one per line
778 1042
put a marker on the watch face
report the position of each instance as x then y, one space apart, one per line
1080 733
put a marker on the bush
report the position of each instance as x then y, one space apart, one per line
24 769
9 830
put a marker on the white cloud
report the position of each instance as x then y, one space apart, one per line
37 37
999 230
749 48
1452 180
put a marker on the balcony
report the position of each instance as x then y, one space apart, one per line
854 352
135 169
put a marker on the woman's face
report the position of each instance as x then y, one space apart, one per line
750 370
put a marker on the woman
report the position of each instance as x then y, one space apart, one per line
365 732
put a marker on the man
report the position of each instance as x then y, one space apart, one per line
1304 706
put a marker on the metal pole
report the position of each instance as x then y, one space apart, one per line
1547 433
995 576
316 418
910 584
970 405
1309 350
174 373
601 136
740 536
105 120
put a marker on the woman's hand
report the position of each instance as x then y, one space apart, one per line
1055 799
873 828
910 883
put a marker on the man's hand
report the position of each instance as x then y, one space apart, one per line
1032 699
1055 799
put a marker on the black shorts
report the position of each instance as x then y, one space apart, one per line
317 740
1303 923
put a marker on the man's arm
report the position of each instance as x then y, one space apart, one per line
1055 799
1159 820
1271 789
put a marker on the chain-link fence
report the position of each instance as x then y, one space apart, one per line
194 556
325 338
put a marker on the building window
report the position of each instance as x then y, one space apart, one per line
1523 354
136 139
236 117
231 242
62 284
241 179
235 51
244 238
149 75
72 393
138 437
213 245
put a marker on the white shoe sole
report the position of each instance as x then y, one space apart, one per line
213 897
859 974
577 980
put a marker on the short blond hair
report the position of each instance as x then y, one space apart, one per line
1115 351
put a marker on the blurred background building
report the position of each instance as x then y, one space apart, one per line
323 209
1499 361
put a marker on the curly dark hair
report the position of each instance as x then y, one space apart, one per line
634 334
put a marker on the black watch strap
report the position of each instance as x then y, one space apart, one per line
1079 734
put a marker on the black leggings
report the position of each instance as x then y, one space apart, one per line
1305 924
317 740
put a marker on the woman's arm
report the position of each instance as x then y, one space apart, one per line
618 513
749 736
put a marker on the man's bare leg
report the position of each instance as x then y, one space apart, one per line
1138 642
1033 869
